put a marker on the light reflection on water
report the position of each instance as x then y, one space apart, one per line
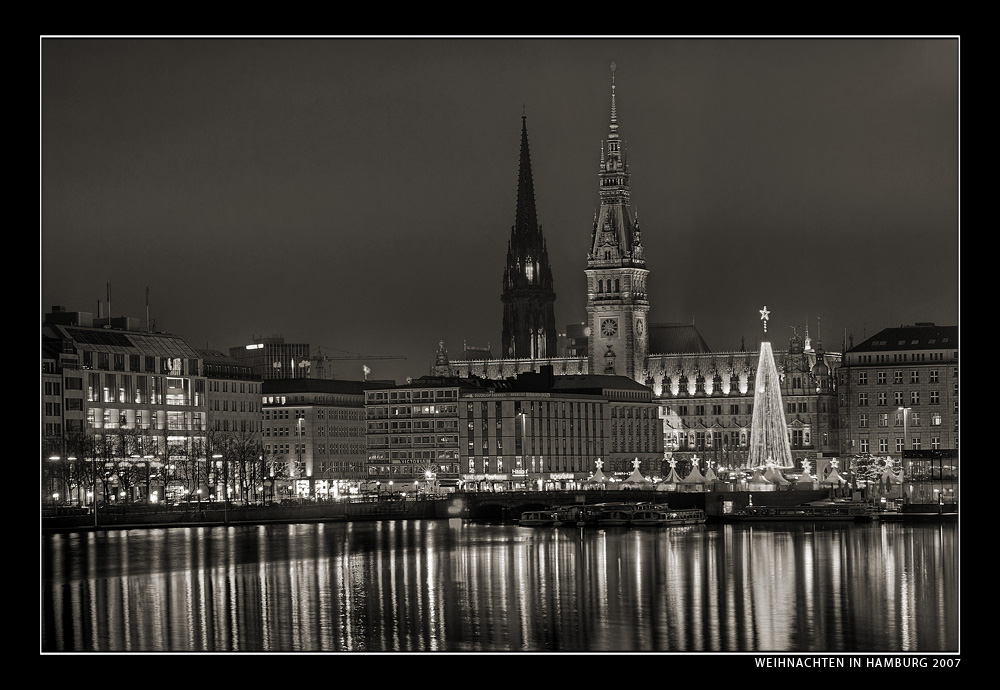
440 585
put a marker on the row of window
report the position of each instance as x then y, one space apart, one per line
411 395
111 418
899 419
217 386
882 377
899 357
230 405
302 430
898 398
106 361
867 446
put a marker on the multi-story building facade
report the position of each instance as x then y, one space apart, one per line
537 431
706 403
233 395
413 433
899 398
314 435
130 404
272 358
233 439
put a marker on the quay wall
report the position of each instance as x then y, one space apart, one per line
491 507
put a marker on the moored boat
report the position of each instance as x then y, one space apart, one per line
537 518
617 516
663 516
570 515
650 517
808 512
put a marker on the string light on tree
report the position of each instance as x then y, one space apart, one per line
769 445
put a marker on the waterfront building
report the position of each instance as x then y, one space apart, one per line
314 435
233 394
899 398
120 405
233 434
707 400
272 358
533 431
412 434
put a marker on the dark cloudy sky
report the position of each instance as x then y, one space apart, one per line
358 194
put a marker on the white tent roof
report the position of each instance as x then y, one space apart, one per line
833 478
695 477
671 478
599 476
636 478
710 476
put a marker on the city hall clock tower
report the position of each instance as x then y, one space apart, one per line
617 304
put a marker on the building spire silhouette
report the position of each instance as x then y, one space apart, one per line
529 327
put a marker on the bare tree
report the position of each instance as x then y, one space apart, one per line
244 458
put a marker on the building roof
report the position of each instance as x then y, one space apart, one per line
125 342
335 386
920 336
595 383
218 356
675 338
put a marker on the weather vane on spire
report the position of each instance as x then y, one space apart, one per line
764 315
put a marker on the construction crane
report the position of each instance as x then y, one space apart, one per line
321 357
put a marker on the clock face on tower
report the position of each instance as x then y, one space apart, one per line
609 327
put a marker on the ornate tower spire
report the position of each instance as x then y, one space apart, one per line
529 325
617 305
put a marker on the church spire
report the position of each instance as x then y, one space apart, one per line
525 219
529 329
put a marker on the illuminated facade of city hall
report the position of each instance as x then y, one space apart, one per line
703 399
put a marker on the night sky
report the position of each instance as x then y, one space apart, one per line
358 194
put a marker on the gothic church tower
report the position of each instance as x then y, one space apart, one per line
617 304
529 323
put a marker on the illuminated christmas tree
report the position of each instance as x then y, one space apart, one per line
769 444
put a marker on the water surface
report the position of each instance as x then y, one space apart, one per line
440 585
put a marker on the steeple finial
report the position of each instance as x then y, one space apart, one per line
614 111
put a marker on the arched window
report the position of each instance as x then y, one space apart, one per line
617 286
